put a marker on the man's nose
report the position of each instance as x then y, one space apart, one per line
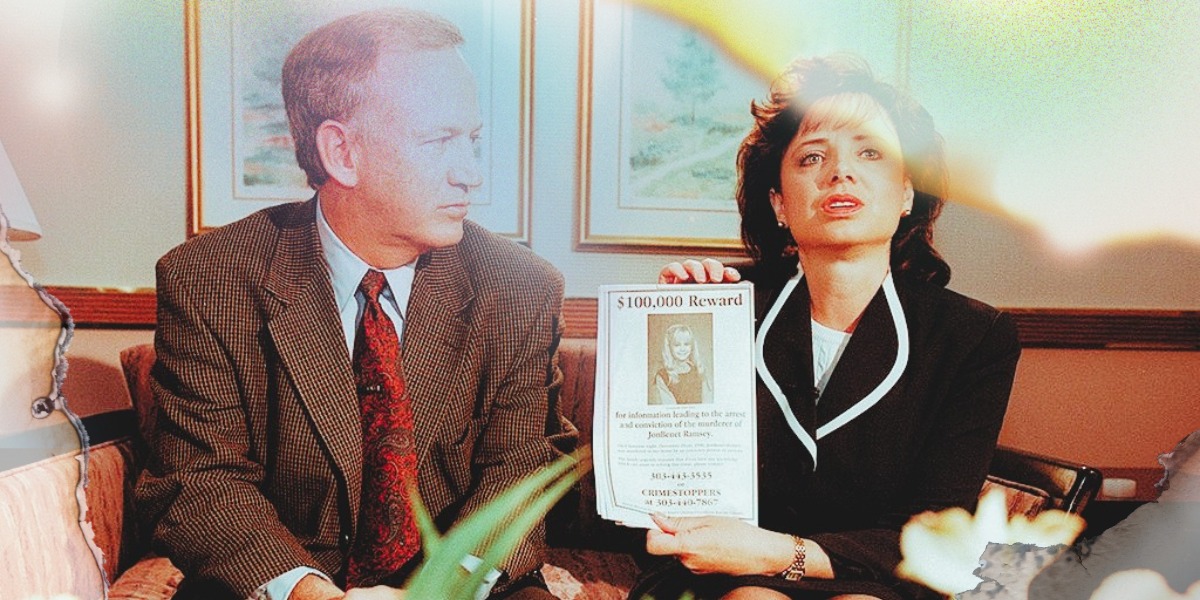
464 171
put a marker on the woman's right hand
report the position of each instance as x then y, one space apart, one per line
709 270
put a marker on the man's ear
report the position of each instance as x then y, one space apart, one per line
339 153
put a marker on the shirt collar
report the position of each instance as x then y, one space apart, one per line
346 269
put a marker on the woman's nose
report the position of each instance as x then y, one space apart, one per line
840 171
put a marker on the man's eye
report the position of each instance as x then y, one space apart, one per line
871 153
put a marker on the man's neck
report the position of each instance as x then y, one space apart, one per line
362 235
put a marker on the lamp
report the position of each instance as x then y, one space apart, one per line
22 224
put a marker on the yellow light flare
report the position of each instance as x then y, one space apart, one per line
942 549
761 35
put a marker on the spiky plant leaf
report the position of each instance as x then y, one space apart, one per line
491 533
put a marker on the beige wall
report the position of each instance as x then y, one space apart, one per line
1118 408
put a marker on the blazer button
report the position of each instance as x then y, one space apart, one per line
345 539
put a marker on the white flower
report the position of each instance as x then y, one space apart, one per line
942 550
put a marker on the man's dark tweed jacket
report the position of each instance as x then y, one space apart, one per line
257 466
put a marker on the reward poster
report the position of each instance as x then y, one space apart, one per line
674 422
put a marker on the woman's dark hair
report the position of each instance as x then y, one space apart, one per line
776 122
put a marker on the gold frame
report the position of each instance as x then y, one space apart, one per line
196 224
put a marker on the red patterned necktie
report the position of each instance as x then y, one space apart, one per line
387 533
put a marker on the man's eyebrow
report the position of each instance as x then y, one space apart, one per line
449 130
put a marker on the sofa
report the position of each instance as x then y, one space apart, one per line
589 559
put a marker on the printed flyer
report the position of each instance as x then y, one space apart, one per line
675 427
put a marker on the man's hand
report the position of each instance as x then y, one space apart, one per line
720 545
313 587
708 270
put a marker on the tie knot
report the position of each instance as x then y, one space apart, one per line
372 284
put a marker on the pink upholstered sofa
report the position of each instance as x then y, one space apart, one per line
587 559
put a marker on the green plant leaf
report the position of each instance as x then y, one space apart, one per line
430 536
491 533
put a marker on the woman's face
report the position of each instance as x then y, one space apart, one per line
842 179
681 345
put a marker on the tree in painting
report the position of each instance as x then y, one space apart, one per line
692 77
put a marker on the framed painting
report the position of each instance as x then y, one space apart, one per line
240 153
662 113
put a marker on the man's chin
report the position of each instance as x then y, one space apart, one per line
448 234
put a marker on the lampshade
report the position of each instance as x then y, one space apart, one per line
23 225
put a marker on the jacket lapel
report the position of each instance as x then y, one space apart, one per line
304 325
787 354
872 365
784 361
435 333
865 362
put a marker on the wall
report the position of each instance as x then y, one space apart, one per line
103 165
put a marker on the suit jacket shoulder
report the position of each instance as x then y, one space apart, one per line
497 265
241 251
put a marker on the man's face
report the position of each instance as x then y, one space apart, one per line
416 137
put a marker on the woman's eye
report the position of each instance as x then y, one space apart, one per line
811 158
871 153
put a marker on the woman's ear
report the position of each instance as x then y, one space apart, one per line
776 204
339 153
908 196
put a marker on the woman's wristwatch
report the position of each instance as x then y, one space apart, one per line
795 571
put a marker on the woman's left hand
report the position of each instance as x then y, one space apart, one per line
720 545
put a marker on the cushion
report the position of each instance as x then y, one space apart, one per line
589 574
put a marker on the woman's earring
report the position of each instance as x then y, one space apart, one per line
781 224
907 211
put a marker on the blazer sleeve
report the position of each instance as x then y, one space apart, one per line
525 430
200 491
950 469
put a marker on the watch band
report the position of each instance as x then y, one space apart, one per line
795 571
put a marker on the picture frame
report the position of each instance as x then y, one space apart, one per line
239 152
651 178
663 111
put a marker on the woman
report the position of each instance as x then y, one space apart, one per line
682 379
880 393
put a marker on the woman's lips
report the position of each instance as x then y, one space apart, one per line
841 205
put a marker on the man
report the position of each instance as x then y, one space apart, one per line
292 416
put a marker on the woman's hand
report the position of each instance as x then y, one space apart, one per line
720 545
708 270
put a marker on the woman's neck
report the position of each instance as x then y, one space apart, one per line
841 287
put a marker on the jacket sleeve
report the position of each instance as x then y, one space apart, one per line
951 466
200 493
525 429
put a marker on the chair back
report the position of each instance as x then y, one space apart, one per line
1069 486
